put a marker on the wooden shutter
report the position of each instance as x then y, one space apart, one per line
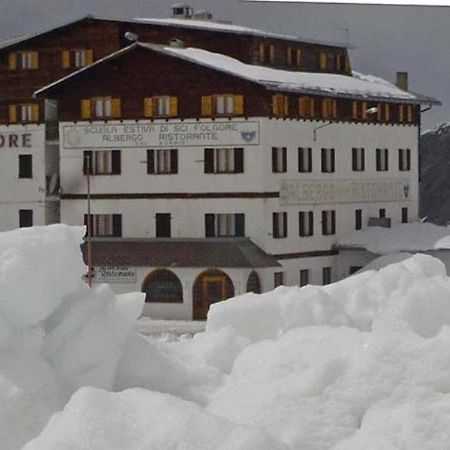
174 160
239 160
364 110
239 225
312 107
298 57
173 106
148 106
354 159
209 160
324 223
410 115
285 224
324 156
117 225
333 222
275 106
400 113
115 162
325 108
12 61
12 113
261 53
332 160
323 61
309 159
150 161
285 104
210 225
65 57
275 228
408 159
272 53
206 105
87 162
334 102
386 158
289 51
115 108
238 104
363 158
274 160
89 56
284 168
301 227
387 112
302 106
311 223
85 109
34 60
354 109
35 113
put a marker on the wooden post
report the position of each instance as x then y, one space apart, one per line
89 230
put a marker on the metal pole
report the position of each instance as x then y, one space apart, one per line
89 220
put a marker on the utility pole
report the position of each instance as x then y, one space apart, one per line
89 220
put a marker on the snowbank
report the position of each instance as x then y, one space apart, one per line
362 363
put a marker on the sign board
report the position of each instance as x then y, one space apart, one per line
21 138
344 191
161 134
115 274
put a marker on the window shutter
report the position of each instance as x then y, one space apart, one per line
354 157
408 159
89 55
332 160
285 230
209 160
34 60
386 112
206 105
300 160
239 223
378 160
117 225
302 107
324 223
312 107
209 225
325 108
148 106
400 113
150 161
334 108
324 163
12 61
323 61
284 168
309 159
333 222
272 53
174 160
386 158
275 229
275 106
301 228
115 162
261 53
379 112
311 223
289 56
363 159
65 59
87 162
410 113
115 108
238 104
12 113
173 106
400 154
35 113
299 57
239 160
85 109
285 104
274 160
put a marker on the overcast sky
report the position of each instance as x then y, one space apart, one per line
387 38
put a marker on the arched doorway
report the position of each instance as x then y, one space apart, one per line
162 286
210 287
253 283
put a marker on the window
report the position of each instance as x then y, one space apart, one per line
404 159
279 225
21 113
305 223
323 60
328 160
278 279
359 110
293 56
222 105
162 221
382 212
383 113
102 162
25 218
329 108
382 159
76 58
404 215
224 160
326 275
306 107
161 106
224 225
25 166
341 63
162 286
328 222
101 108
358 159
279 159
23 60
280 105
358 219
405 113
266 53
162 161
104 225
304 159
253 283
304 277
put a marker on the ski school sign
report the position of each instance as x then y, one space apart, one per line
163 134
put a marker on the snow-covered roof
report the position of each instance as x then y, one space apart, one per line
405 237
356 86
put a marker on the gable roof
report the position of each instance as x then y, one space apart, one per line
357 86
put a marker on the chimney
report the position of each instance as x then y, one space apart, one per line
402 80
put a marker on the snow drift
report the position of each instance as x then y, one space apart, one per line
362 363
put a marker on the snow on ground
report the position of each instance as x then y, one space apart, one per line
169 329
358 364
403 237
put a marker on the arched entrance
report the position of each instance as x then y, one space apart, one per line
162 286
210 287
253 283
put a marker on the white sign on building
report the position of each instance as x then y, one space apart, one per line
163 134
115 274
344 191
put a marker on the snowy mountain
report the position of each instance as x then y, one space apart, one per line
435 174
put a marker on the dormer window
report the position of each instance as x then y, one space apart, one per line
101 108
77 58
222 105
23 60
161 106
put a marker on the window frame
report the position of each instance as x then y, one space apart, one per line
224 225
404 159
305 159
328 160
306 223
382 160
280 225
358 159
102 162
223 160
25 166
162 161
104 225
279 159
328 222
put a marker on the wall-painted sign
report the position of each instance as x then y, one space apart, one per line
115 274
163 134
344 191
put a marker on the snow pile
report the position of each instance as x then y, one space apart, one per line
404 237
362 363
56 334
